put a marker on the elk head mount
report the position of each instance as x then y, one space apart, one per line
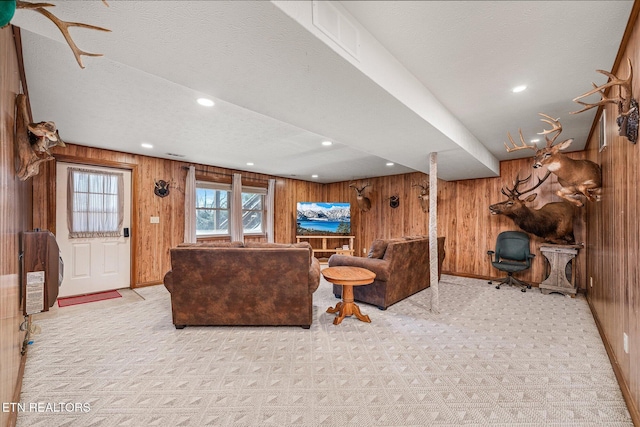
576 177
63 26
627 106
553 222
423 196
364 203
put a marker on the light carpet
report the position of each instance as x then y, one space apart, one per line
490 357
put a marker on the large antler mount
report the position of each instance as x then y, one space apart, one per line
627 105
63 26
515 192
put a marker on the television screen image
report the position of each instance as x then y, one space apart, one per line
323 218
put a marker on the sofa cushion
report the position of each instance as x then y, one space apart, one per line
212 244
262 245
377 249
415 237
379 266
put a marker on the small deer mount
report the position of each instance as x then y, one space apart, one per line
627 106
33 141
394 201
423 196
364 203
161 188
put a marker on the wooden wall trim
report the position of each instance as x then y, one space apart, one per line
624 388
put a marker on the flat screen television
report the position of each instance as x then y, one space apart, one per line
320 218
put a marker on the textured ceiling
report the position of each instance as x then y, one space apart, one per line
431 77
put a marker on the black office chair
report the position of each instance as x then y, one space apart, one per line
512 255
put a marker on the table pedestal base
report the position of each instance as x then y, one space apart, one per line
347 307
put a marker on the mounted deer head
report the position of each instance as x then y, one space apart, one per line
63 26
364 203
627 105
553 222
423 196
29 157
44 136
577 177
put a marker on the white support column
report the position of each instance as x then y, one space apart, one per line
433 231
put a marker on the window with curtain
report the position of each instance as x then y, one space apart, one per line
253 210
95 203
214 207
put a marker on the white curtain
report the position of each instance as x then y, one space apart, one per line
95 203
190 206
236 209
270 210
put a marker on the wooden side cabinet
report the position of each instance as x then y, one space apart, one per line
42 271
559 256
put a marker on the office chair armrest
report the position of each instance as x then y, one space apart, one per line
490 253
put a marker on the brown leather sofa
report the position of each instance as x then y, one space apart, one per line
401 267
242 284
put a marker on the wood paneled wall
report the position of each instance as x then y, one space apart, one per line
613 243
151 242
15 217
463 217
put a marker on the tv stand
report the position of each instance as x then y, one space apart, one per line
325 249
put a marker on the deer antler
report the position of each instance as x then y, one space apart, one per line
513 192
518 147
423 186
625 103
556 127
63 26
368 184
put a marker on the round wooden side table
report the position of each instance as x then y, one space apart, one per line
348 277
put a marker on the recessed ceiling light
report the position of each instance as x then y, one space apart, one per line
519 88
535 140
389 163
327 143
314 176
249 163
146 145
205 102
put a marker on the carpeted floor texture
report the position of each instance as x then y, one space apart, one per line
489 358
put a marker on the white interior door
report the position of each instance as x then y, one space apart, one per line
94 264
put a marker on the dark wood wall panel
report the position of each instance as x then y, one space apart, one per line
15 217
151 242
614 237
463 217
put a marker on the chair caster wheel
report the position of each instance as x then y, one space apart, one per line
523 290
497 287
528 286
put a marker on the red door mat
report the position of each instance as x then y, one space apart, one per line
81 299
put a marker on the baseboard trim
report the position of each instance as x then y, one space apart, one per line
13 416
145 284
626 393
477 276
